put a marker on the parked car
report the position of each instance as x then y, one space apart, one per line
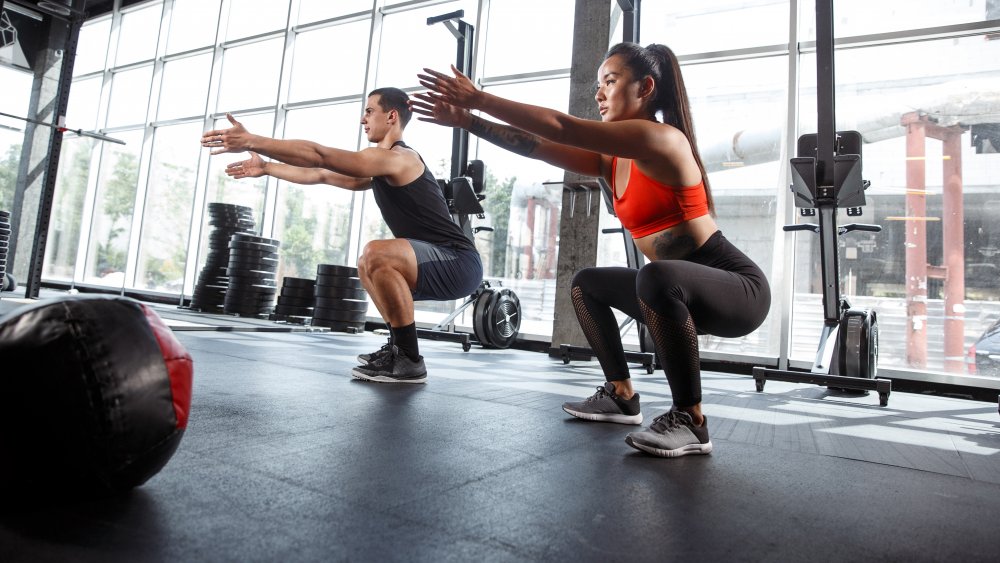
987 351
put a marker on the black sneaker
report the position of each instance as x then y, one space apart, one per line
672 434
393 367
366 359
605 406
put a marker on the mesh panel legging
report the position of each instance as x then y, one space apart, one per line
716 290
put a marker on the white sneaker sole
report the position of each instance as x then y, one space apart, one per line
698 449
384 379
619 418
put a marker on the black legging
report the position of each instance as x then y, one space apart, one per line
716 290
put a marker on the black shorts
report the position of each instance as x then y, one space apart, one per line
445 273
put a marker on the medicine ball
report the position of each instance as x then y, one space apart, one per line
94 395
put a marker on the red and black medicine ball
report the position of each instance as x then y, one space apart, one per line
94 395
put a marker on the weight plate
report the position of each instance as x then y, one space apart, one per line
342 304
288 281
337 281
480 317
254 246
296 301
330 292
299 292
504 319
338 315
336 271
245 237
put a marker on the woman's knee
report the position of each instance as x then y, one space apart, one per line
586 278
657 280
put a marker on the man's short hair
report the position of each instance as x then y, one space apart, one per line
394 99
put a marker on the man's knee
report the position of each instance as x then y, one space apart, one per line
373 256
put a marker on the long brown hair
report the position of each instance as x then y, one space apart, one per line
671 100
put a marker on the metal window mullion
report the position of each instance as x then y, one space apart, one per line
201 185
278 124
145 158
185 54
331 22
371 71
478 53
258 38
94 174
784 242
323 102
406 6
553 74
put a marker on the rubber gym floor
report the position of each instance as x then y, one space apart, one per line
288 458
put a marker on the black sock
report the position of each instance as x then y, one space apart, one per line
405 338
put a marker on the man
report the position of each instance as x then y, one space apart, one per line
430 257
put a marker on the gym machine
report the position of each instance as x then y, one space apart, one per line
496 317
826 176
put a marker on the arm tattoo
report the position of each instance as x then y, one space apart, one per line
667 246
504 136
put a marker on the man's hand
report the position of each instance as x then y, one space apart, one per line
252 167
234 139
438 111
456 90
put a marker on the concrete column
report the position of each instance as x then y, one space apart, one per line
579 228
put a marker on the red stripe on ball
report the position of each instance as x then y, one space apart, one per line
180 368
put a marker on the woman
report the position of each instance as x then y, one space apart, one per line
695 282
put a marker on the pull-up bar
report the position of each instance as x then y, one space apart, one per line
63 129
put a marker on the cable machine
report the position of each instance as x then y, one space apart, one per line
826 176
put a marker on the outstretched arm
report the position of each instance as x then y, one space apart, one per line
633 138
434 110
307 154
255 166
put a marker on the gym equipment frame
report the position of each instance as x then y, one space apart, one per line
496 317
826 176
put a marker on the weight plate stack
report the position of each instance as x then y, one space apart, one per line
296 300
4 244
252 273
226 219
341 301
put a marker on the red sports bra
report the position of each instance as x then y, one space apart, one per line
649 207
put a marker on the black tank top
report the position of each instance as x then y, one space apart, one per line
418 210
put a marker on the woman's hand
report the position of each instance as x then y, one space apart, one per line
252 167
438 111
456 90
234 139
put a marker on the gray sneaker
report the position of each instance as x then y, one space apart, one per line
605 406
393 367
672 434
366 359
